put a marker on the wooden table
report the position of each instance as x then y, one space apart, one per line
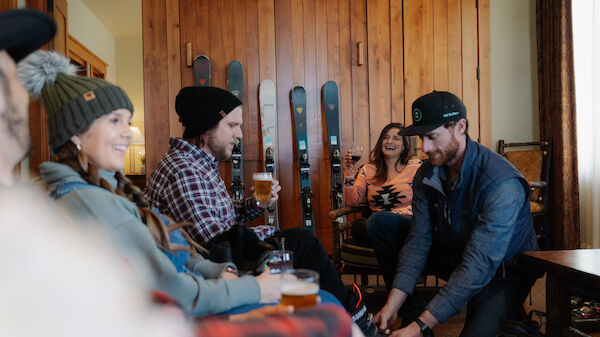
568 272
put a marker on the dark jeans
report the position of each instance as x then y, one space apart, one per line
387 232
310 254
498 299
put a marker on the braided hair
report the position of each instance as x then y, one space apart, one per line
70 156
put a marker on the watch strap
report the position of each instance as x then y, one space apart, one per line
425 329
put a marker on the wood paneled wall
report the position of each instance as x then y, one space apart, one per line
411 47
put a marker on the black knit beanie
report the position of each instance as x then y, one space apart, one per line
201 108
72 102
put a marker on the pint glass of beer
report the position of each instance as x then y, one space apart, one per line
299 288
280 261
262 188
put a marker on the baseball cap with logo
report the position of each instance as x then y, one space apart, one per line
434 110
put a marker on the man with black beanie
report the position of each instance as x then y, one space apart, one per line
187 186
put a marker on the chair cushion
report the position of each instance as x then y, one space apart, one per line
529 163
358 232
355 253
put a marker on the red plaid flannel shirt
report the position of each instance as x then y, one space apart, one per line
187 186
322 321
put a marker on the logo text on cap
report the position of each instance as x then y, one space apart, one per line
450 114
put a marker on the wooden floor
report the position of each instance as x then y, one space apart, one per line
375 298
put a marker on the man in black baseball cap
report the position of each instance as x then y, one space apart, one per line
21 32
471 221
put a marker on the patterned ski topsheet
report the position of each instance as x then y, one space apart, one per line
299 116
202 71
331 109
235 85
268 120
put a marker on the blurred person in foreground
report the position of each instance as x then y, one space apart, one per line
21 32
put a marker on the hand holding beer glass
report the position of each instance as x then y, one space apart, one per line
299 288
262 188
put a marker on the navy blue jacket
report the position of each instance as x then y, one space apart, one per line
470 234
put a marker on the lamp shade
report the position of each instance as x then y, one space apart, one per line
138 138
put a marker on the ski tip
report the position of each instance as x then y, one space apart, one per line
298 89
266 85
198 57
235 63
330 85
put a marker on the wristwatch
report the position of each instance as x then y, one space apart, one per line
230 269
425 329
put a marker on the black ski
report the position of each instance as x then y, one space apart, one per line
332 120
299 107
235 85
202 71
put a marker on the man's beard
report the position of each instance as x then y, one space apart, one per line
444 155
220 152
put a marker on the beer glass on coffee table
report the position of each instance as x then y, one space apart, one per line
262 188
280 261
299 288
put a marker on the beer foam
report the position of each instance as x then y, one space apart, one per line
299 288
262 176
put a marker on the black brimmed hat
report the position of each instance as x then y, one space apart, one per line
433 110
22 31
201 108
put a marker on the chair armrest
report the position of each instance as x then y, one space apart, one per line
538 184
336 213
341 227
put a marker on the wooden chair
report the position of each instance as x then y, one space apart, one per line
532 159
350 255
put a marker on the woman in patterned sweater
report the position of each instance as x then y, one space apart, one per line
386 182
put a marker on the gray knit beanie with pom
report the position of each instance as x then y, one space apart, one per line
72 102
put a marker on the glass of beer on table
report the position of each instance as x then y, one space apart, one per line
299 288
262 188
280 261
